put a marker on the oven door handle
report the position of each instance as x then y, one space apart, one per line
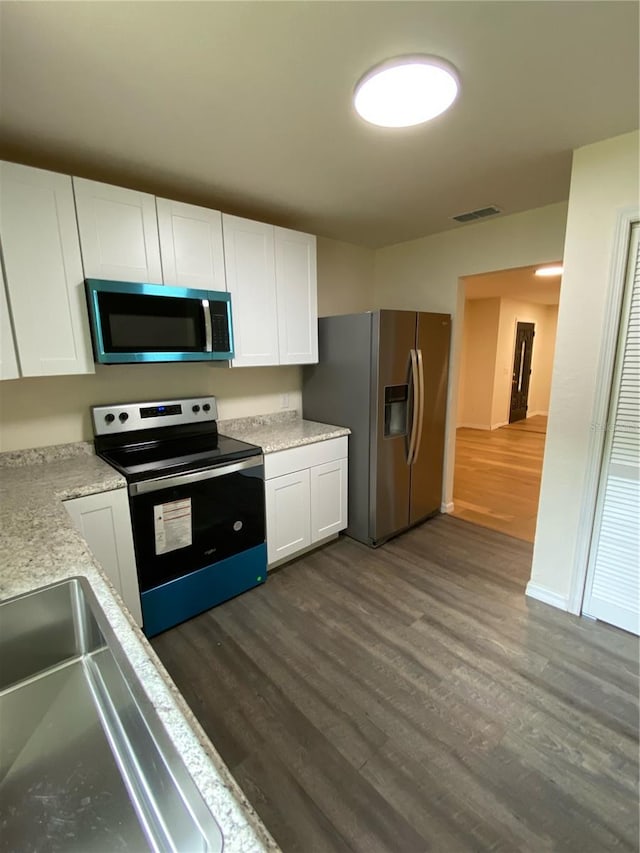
160 483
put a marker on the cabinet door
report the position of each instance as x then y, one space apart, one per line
251 281
288 515
328 499
118 232
44 271
191 245
8 360
104 522
296 279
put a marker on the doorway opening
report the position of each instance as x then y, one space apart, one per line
504 384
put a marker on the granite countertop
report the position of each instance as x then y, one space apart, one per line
280 431
39 545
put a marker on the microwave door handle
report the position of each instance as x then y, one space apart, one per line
208 334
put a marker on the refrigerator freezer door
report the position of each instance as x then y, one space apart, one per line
390 472
434 332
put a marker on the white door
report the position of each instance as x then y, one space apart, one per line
8 359
296 278
191 245
118 232
288 515
328 499
43 269
251 281
612 592
104 522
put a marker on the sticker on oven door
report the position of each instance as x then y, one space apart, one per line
172 523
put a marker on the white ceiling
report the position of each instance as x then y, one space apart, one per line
246 106
521 284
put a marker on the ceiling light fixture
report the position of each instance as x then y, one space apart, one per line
547 272
405 91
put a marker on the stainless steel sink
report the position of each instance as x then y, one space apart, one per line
85 762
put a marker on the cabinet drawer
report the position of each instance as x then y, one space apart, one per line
296 458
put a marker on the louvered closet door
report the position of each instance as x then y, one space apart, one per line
613 586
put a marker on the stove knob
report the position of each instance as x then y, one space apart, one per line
109 418
123 417
206 407
195 409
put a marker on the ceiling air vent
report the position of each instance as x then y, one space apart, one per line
480 213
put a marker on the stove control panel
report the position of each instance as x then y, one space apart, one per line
127 417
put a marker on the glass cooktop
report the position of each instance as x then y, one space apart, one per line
159 458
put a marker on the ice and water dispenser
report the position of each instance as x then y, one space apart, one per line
396 408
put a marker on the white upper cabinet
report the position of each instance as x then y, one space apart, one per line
44 271
8 359
296 279
191 245
118 232
251 281
272 278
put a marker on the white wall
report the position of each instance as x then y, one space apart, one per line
424 275
53 410
345 278
604 181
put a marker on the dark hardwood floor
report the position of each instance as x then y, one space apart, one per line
411 699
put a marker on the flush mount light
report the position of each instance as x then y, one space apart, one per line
548 272
405 91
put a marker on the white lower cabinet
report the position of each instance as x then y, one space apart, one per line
288 515
104 522
328 485
306 496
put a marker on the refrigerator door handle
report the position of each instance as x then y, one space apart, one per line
420 406
415 407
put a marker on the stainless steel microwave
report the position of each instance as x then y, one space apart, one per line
133 322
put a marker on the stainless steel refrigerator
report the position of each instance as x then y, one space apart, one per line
384 375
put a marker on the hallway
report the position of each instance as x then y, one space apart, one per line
497 476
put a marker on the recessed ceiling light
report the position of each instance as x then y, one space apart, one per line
406 90
549 271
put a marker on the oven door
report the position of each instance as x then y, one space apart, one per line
190 521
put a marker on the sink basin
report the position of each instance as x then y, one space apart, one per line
85 762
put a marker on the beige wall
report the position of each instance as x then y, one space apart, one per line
544 317
345 278
604 182
481 321
55 410
424 275
486 361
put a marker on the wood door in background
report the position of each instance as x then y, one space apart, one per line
521 371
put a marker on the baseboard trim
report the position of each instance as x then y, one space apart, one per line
498 426
284 560
473 426
535 414
541 593
448 508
